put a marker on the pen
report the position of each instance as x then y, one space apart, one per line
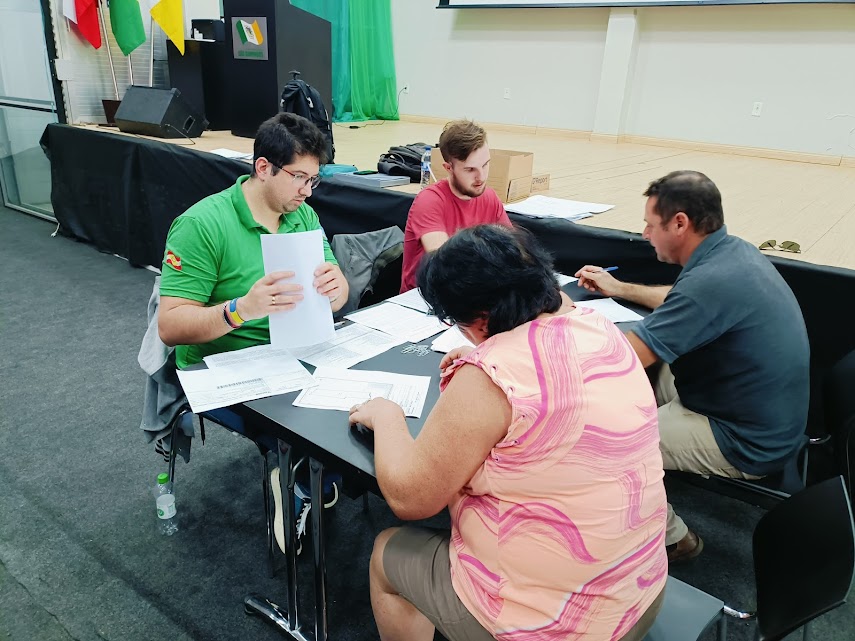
341 323
609 269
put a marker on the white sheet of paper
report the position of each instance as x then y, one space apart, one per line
311 321
247 355
350 345
450 339
412 299
564 279
538 206
398 321
341 389
612 310
226 385
231 153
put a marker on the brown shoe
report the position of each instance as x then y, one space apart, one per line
685 549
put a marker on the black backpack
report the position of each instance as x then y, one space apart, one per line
304 100
404 160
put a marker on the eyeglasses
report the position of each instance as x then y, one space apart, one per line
786 246
301 180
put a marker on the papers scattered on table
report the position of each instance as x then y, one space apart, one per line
350 345
250 358
412 299
564 279
615 312
450 339
311 321
243 380
231 153
401 322
341 389
547 207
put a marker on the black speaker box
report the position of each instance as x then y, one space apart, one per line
161 113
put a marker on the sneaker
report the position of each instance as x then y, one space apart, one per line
302 506
685 549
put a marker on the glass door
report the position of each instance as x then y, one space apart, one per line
27 105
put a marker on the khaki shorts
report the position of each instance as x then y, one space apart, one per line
417 565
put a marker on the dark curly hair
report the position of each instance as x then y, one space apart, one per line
285 136
489 271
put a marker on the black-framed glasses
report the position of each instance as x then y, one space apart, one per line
301 180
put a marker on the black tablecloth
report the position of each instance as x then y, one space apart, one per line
121 193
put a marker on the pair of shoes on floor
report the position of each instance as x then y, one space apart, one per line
302 506
685 549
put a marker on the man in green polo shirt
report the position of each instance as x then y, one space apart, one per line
214 294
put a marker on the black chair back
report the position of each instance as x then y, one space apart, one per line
804 558
839 402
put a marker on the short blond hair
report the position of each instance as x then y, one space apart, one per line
460 138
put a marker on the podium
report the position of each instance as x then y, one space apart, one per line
265 40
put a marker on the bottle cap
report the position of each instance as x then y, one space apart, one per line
162 478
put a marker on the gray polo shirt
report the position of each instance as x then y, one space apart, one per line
734 335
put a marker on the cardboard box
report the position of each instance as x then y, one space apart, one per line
510 172
539 183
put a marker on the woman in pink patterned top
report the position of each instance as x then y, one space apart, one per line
543 445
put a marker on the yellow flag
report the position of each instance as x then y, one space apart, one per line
169 14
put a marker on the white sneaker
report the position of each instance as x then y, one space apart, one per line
279 514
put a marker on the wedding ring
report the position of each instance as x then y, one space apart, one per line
273 300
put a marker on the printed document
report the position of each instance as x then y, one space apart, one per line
311 321
564 279
350 345
412 299
401 322
245 380
231 153
615 312
450 339
547 207
341 389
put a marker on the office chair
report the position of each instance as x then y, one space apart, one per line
804 563
839 404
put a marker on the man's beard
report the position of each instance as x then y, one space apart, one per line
472 192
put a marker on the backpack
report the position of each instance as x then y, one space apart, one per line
404 160
304 100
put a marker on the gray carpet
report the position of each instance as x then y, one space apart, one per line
80 556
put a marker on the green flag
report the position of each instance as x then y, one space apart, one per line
127 24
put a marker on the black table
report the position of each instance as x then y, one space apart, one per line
324 439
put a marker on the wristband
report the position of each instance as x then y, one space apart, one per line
227 318
233 312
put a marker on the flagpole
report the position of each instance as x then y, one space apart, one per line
130 70
107 44
151 51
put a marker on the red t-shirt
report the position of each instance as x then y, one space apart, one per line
436 208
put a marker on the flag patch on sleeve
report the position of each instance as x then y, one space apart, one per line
173 260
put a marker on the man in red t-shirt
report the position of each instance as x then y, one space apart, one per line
461 200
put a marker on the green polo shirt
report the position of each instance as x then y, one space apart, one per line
213 254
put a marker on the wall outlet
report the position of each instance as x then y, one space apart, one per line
757 109
406 89
507 94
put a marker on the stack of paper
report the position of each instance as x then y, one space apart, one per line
341 389
564 279
412 299
237 377
401 322
615 312
547 207
450 339
231 153
351 345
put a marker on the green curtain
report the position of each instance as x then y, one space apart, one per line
363 57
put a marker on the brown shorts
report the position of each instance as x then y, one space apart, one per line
417 565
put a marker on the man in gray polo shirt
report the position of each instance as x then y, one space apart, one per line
733 386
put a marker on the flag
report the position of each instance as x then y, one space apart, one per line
127 24
87 21
69 11
249 32
169 14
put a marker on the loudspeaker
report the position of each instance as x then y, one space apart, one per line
161 113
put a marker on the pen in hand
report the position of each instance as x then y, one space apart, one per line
609 269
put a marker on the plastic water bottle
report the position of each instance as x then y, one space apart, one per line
426 168
165 505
